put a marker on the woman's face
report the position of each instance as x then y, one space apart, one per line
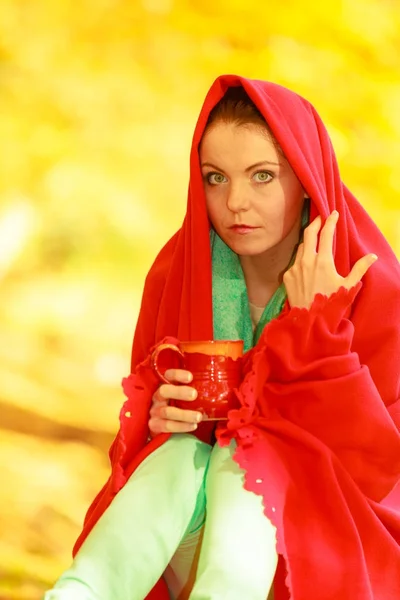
254 199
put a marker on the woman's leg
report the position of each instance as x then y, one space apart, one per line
132 543
180 574
238 557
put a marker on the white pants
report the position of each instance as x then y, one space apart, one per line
157 524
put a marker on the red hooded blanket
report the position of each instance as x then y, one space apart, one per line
318 431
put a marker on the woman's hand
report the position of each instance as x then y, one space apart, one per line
170 419
314 272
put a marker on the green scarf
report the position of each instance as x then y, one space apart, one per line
231 310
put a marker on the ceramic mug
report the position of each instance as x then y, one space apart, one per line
216 369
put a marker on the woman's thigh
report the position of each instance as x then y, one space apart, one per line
134 540
238 552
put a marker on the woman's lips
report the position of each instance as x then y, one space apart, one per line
243 229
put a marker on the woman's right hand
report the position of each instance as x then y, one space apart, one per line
170 419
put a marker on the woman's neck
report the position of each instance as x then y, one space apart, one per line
263 273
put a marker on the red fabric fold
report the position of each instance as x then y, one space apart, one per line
318 431
312 420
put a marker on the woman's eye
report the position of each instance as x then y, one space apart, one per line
215 178
262 177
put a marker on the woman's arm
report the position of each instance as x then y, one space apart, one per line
314 378
316 381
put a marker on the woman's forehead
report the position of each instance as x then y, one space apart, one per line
228 140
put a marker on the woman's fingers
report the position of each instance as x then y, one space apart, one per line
169 391
171 419
314 271
293 283
311 241
326 237
176 392
299 255
172 413
157 426
179 375
359 269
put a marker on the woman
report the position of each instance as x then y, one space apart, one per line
301 484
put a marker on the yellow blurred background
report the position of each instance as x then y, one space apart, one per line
98 101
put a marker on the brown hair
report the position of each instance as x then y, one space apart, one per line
236 107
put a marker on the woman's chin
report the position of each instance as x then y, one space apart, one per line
247 248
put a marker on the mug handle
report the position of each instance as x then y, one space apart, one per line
156 353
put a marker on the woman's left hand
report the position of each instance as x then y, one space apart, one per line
314 272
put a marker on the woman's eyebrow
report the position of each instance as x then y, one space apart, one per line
250 168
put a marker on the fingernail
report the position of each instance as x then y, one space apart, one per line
189 377
199 417
335 213
193 395
193 427
374 257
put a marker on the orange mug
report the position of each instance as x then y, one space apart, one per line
216 369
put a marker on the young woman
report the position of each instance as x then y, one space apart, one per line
295 496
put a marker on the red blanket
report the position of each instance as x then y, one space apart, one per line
318 431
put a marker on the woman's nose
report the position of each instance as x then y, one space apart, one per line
237 199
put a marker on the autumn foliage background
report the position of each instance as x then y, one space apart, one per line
98 101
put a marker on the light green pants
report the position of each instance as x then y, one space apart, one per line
157 525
